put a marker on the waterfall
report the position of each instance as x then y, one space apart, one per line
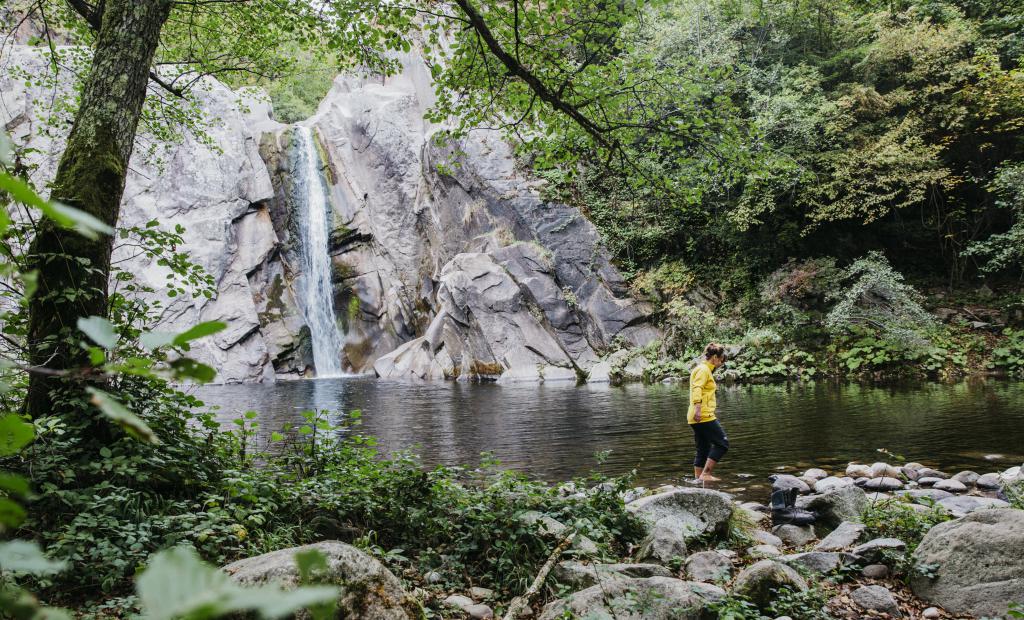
310 194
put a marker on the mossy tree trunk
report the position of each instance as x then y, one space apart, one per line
73 270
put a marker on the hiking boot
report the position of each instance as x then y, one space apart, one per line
784 510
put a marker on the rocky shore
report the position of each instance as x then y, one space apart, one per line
887 541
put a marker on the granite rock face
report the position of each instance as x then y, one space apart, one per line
420 232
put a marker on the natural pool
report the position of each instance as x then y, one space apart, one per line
554 431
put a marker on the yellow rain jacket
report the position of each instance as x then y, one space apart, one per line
702 390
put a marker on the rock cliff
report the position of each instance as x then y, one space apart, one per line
446 262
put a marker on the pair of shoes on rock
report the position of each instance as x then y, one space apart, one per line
784 510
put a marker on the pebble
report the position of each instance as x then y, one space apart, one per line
766 538
968 478
481 594
928 472
831 483
783 482
457 600
931 613
794 535
854 470
875 571
876 598
884 470
815 473
433 577
479 612
928 481
764 551
884 483
872 550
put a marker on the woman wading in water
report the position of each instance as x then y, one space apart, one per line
712 443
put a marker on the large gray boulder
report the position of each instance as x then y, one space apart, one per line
843 537
876 598
838 505
976 562
963 505
652 598
709 567
759 581
578 576
368 589
702 510
666 540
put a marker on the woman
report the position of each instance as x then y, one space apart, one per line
712 444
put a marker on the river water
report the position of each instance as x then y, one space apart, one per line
554 431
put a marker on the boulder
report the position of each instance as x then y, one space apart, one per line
843 537
884 470
927 481
884 483
988 482
875 571
759 581
702 510
838 505
651 598
831 483
783 482
708 567
928 472
967 478
874 550
963 505
821 562
794 535
950 486
481 594
579 576
815 473
977 562
368 589
876 598
854 470
666 540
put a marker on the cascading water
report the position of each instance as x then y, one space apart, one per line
310 194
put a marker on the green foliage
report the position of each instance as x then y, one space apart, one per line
1009 356
808 604
894 518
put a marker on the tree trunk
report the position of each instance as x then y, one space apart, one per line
73 270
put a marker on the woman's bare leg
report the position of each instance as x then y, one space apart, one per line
706 474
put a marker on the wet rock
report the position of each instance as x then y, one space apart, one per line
784 482
928 472
874 550
821 562
978 563
708 567
927 481
794 535
759 581
876 598
653 598
368 589
950 486
843 537
884 483
967 478
963 505
875 571
579 576
989 482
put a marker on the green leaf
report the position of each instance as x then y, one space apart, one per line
65 216
177 584
11 513
99 330
13 484
22 556
6 150
15 434
154 340
186 368
122 416
199 331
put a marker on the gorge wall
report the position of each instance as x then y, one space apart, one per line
445 261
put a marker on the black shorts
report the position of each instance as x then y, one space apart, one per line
712 443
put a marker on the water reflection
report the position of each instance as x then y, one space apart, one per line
554 431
